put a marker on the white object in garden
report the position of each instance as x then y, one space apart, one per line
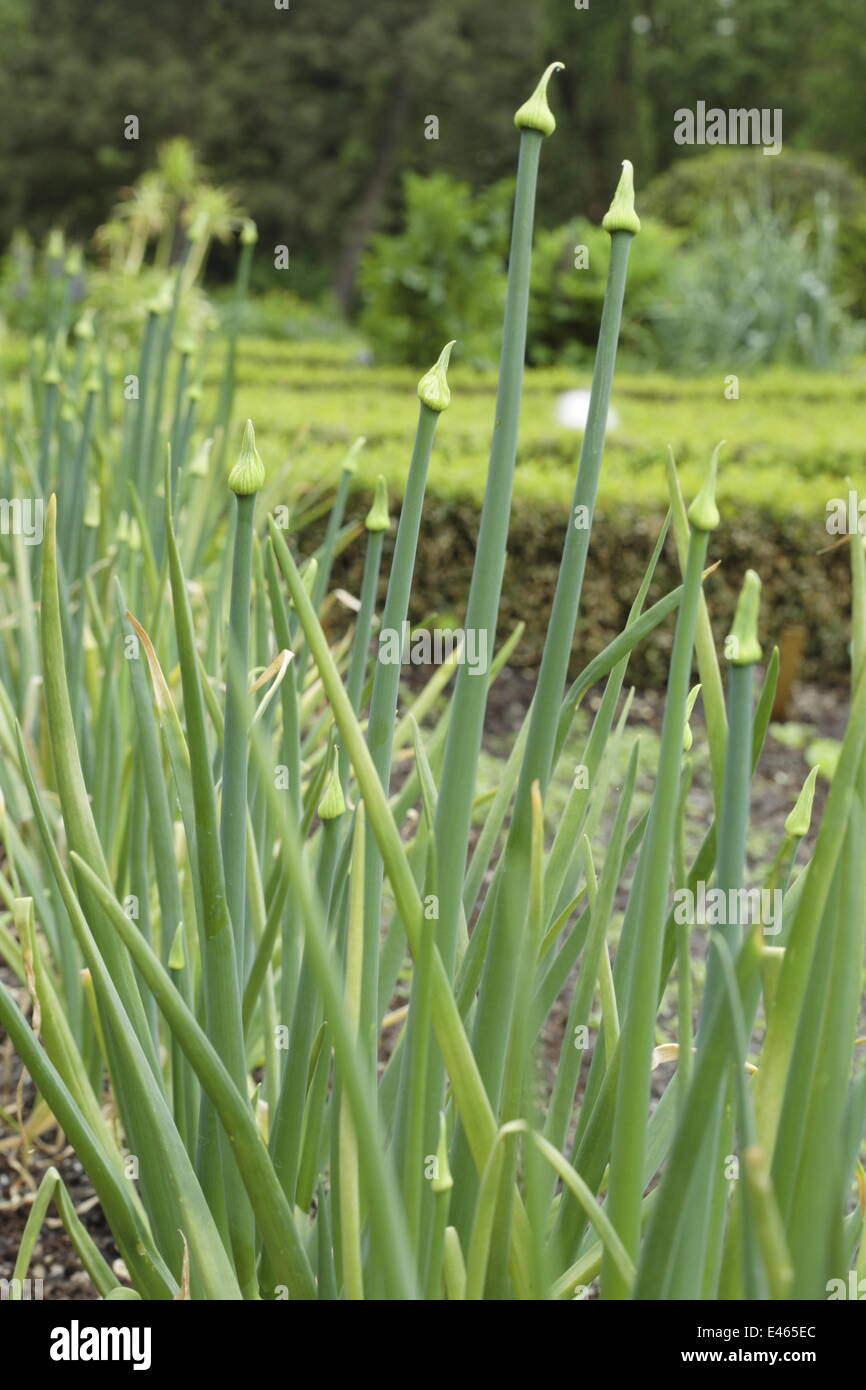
572 409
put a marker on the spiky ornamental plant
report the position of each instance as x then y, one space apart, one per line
195 810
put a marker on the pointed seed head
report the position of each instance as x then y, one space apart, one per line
84 329
93 510
772 960
535 114
52 375
248 474
743 636
703 513
333 803
161 302
377 518
621 216
443 1180
800 818
350 462
433 387
177 954
687 731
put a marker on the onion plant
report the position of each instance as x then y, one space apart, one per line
283 971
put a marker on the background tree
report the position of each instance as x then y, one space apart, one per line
315 113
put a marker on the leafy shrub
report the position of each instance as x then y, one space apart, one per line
170 213
788 183
792 436
285 316
568 280
851 270
755 290
801 585
789 299
40 284
441 276
164 225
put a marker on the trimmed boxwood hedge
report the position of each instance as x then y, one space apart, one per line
800 585
793 437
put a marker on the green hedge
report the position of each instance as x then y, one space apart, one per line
800 586
793 437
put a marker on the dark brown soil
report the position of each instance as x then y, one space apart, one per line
55 1261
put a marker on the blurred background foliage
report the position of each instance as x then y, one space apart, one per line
307 127
316 119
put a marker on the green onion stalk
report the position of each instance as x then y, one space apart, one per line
595 1122
52 379
348 1188
376 523
168 301
470 1097
290 759
503 958
702 1225
287 1128
721 1046
185 351
434 396
636 1042
325 555
75 509
137 464
797 824
245 480
744 653
280 1238
335 520
219 960
535 121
